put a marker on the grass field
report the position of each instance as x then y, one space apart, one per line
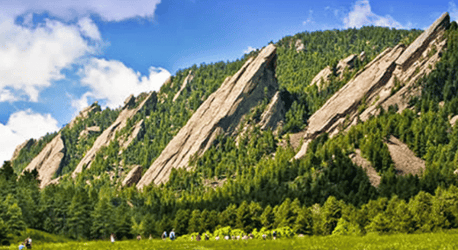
399 241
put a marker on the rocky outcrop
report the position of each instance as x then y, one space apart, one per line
24 145
87 131
274 113
95 107
387 80
127 112
299 46
48 161
324 75
133 177
453 120
220 113
405 161
186 81
359 160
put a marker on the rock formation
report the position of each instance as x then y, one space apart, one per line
453 120
323 76
376 84
220 113
186 81
127 112
87 131
136 131
274 113
133 177
48 161
299 45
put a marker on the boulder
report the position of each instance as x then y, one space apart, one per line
220 113
299 46
453 120
133 177
48 161
103 140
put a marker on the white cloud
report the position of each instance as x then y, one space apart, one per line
32 58
89 29
309 19
249 49
7 96
109 10
112 81
362 15
21 126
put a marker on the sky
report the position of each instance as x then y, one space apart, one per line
57 57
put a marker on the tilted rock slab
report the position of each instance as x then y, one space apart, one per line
373 85
27 144
274 113
133 177
128 111
186 81
48 161
359 160
220 113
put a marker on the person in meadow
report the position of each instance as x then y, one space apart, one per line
21 246
172 234
274 235
206 237
139 237
150 237
164 235
198 237
28 243
112 238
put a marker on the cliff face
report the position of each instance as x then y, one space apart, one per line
220 113
388 80
108 135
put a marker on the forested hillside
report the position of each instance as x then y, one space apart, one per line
249 182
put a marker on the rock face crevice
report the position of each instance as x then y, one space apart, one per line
109 134
220 113
376 84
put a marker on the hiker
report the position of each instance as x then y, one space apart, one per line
139 237
198 237
206 237
264 236
112 238
172 234
150 237
217 237
274 234
28 243
21 246
164 235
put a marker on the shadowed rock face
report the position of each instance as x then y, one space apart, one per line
48 161
128 111
373 86
220 113
133 177
27 144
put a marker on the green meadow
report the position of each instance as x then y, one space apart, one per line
447 240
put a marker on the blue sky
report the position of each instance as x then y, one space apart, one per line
58 57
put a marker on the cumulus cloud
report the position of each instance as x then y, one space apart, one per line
108 10
22 126
32 58
113 81
362 15
249 49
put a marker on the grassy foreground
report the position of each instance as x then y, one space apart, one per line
399 241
